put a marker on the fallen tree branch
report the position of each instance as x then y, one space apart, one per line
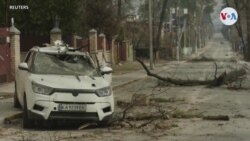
216 70
219 117
218 81
201 59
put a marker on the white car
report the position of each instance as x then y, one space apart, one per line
57 83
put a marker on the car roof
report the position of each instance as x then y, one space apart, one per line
54 50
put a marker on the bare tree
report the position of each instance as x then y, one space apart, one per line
248 29
158 36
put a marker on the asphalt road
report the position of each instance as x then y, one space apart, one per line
203 100
213 101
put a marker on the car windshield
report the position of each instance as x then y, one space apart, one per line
63 64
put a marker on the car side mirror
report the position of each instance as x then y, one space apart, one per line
107 73
106 70
23 66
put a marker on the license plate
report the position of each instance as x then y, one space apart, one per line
72 107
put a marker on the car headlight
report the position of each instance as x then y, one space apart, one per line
104 92
41 89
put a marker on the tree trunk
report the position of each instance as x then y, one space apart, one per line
119 10
248 31
158 37
239 27
200 23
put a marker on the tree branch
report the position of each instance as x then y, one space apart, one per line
215 82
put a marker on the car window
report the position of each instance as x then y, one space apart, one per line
65 64
31 58
27 57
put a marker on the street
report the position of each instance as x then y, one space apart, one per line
185 105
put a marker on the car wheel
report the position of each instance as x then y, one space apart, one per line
16 101
107 121
27 123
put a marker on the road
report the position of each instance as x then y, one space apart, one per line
198 100
216 101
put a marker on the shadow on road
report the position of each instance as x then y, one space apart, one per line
56 125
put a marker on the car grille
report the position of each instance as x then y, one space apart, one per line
74 115
65 102
74 91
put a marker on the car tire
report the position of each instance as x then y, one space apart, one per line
107 121
27 123
16 101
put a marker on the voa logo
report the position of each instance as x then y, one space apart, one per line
228 16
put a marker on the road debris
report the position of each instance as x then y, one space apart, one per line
218 117
11 119
223 78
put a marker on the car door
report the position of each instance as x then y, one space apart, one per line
22 77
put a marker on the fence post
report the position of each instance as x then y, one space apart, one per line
93 41
103 41
102 38
93 46
55 33
15 47
112 51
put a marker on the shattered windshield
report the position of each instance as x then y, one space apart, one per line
66 64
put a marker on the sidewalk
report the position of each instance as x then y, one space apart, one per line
7 88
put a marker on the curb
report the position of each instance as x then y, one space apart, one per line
5 95
127 83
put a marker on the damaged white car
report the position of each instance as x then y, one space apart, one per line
57 83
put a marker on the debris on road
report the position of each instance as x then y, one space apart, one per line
86 125
11 119
186 114
140 99
201 59
219 117
121 103
223 78
163 100
239 116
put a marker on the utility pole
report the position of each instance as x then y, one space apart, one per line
196 34
185 11
150 34
171 11
178 31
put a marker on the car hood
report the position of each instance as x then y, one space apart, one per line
70 81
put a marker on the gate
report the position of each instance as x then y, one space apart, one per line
5 56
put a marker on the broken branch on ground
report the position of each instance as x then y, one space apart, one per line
223 78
